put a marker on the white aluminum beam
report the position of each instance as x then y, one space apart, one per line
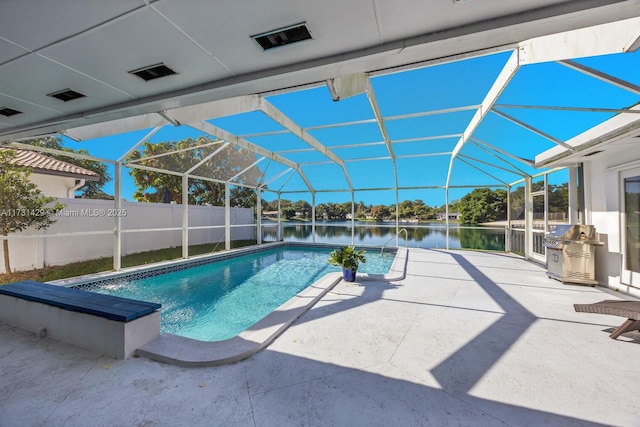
426 138
215 109
506 74
607 78
413 156
60 153
564 108
182 115
494 155
342 124
271 111
117 220
432 112
243 143
504 153
532 129
185 216
596 40
463 160
168 153
227 217
633 44
246 169
371 96
115 127
139 143
274 178
201 162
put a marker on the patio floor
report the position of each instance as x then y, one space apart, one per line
467 338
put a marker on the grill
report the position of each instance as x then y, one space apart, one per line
571 254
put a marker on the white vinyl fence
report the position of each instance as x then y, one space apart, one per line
97 217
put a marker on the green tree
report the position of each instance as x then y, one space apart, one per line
406 209
321 211
22 204
303 208
483 205
180 156
380 212
559 198
288 213
361 210
92 189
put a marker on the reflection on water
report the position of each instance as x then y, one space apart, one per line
423 235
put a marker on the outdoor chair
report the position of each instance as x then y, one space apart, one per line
628 309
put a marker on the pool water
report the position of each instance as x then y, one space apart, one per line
216 301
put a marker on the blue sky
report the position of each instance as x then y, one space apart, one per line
452 85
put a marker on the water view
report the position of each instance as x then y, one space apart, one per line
421 235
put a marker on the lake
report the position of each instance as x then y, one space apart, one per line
422 235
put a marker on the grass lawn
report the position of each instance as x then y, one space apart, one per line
106 264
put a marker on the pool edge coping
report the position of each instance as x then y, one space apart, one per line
187 352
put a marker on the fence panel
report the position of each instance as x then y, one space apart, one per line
29 250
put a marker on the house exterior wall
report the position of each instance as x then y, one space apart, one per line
603 205
97 215
53 185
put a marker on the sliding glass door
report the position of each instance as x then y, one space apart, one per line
630 198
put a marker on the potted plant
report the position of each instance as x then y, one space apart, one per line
349 258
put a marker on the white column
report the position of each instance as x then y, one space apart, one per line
279 222
185 216
313 217
528 219
446 215
117 221
227 217
259 216
546 203
353 218
397 216
507 233
573 195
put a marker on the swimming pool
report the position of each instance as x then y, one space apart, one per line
218 300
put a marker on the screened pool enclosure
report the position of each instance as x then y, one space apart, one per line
431 131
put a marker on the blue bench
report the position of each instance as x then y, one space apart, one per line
106 324
107 306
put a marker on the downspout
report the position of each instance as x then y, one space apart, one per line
71 192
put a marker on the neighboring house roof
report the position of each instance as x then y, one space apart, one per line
39 163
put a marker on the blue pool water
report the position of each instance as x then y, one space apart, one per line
216 301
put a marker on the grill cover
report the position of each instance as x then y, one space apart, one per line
570 253
564 234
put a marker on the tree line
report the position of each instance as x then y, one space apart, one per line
301 209
479 206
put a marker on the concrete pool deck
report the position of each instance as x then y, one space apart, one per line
466 338
182 351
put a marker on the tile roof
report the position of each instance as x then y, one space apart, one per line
39 163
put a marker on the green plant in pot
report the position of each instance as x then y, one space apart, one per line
349 258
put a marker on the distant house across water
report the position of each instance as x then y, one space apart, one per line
452 215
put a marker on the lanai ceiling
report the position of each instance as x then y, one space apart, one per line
423 94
